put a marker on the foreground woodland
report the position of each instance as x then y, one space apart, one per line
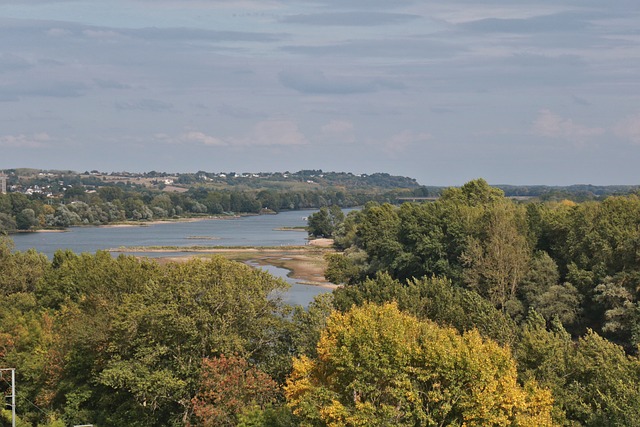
470 310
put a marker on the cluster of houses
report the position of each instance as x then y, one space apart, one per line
50 184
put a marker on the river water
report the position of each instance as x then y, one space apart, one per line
258 230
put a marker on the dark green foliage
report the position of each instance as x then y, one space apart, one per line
577 263
593 382
324 222
431 298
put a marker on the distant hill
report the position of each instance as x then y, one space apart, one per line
301 180
58 181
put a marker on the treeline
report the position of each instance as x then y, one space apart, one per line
471 310
375 181
570 192
576 263
111 204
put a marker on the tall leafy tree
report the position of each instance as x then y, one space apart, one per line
377 367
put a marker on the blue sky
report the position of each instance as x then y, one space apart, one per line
528 92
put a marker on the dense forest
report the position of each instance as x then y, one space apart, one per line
472 309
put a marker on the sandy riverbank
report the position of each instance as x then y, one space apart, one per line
164 221
306 263
43 230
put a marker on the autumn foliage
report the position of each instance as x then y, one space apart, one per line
379 366
228 387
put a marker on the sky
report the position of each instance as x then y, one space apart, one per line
443 91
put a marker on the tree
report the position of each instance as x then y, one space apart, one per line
324 222
193 310
496 265
26 219
432 298
7 223
593 382
19 271
229 386
377 367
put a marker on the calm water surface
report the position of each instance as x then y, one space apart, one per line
260 230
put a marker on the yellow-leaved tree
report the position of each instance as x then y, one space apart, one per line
377 366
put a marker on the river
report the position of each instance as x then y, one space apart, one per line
258 230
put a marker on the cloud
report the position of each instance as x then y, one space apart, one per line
187 34
315 82
418 47
101 34
359 19
10 62
338 127
564 22
38 140
400 142
552 125
580 101
365 4
274 132
629 128
339 131
42 89
110 84
545 61
201 138
58 32
238 112
152 105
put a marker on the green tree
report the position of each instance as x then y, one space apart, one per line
594 383
436 299
324 222
26 219
198 308
497 264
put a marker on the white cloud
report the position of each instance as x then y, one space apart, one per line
629 128
265 133
100 34
400 142
338 127
58 32
552 125
273 132
37 140
338 131
202 138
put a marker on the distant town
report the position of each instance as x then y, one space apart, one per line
54 183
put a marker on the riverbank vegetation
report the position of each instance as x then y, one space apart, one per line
473 309
58 199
